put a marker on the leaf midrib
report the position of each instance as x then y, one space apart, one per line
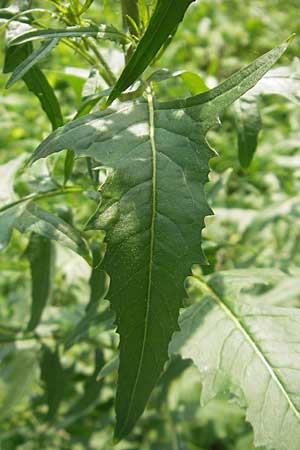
247 335
152 238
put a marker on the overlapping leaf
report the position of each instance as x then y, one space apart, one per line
166 17
27 216
153 208
34 78
30 61
249 350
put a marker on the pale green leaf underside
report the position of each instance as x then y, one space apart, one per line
153 209
250 350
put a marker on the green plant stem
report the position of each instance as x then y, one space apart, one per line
104 69
41 195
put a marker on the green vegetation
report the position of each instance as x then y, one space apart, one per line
108 181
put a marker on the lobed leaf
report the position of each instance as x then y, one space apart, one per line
249 350
153 209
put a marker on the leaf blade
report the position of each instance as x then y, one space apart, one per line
260 335
40 253
102 32
30 61
167 15
153 205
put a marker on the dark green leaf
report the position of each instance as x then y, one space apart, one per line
30 61
69 165
167 15
53 376
99 282
249 125
153 208
40 253
17 378
34 79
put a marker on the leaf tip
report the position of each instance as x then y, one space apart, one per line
290 38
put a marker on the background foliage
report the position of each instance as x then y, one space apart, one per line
62 398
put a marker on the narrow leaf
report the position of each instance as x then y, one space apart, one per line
249 125
167 15
34 79
153 208
98 32
69 165
53 376
249 350
28 216
104 321
215 100
40 253
30 61
37 83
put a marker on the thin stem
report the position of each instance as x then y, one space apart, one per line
104 69
41 195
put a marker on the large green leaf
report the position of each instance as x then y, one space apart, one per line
153 208
248 349
166 17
